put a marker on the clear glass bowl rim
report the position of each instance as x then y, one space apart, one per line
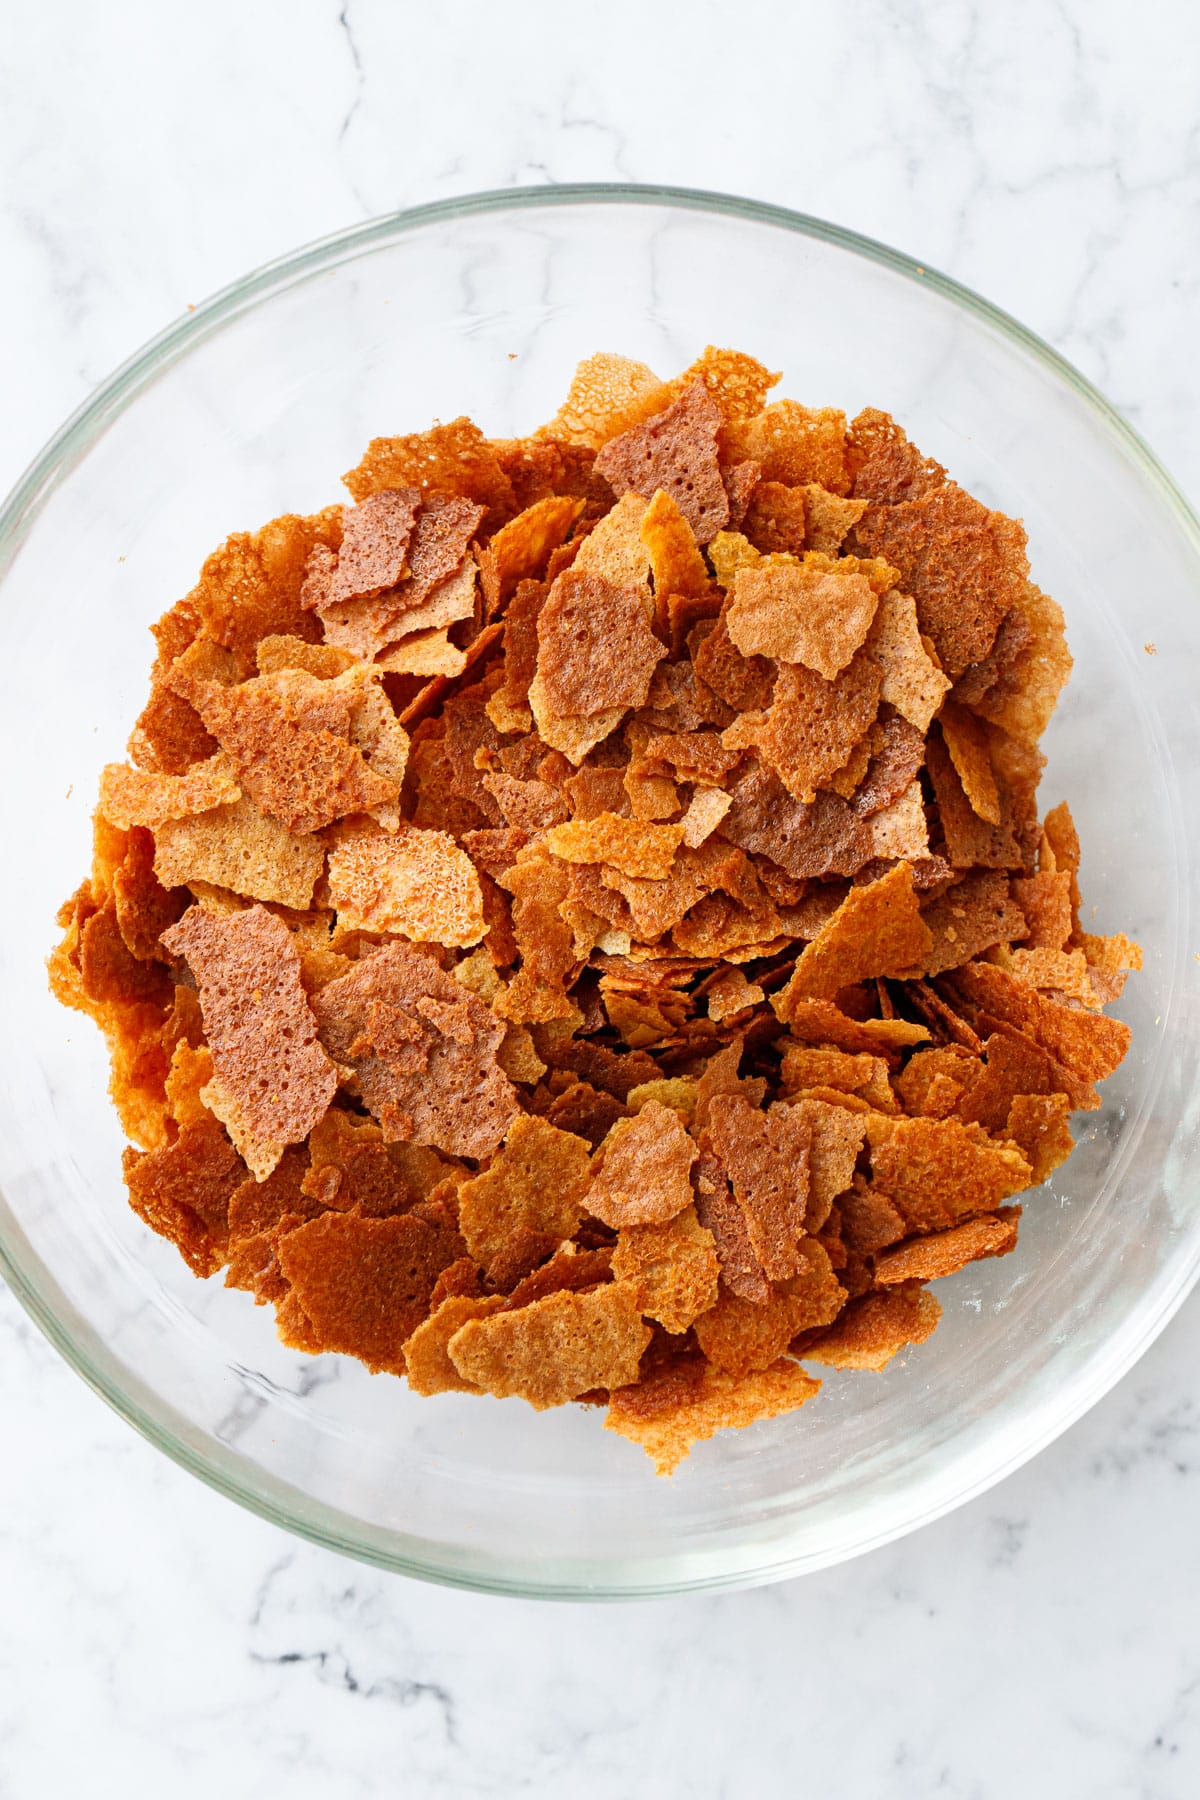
33 1284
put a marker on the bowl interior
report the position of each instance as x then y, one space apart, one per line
256 410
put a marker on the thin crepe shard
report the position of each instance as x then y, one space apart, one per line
272 1081
576 922
422 1050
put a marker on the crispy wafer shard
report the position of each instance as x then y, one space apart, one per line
828 518
304 777
1025 692
641 1172
736 383
1039 1124
1063 973
869 1222
675 450
422 1050
438 587
636 847
413 882
966 740
539 885
875 1328
454 459
719 1213
373 553
803 1066
446 602
568 1270
895 754
901 829
877 930
239 848
362 1286
774 520
964 566
144 797
182 1191
1090 1044
801 613
520 549
350 1166
730 993
189 1074
937 1171
970 917
945 1252
821 1022
427 1365
836 1135
281 651
676 564
250 588
608 394
912 679
272 1080
740 1335
1110 960
557 1348
812 724
536 1181
424 653
614 549
574 734
596 651
884 465
794 444
705 811
824 838
686 1403
766 1156
260 1215
674 1267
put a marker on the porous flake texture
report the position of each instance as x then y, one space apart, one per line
576 922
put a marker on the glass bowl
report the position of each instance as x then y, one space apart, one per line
252 406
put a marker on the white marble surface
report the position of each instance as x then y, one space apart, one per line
1042 1641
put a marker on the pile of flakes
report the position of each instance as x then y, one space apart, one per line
576 922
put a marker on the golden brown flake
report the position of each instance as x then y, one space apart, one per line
811 725
536 1182
238 847
936 1171
874 1329
636 847
801 613
596 651
675 450
944 1252
556 1349
674 1267
877 930
422 1050
413 882
641 1170
695 984
272 1080
794 444
362 1286
667 1414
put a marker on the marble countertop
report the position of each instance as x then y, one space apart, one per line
1041 1641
